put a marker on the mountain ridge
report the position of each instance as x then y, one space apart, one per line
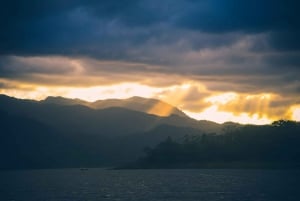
38 135
147 105
86 119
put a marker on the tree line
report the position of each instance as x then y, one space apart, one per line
270 146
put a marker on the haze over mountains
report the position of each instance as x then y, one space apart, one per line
150 106
74 133
131 115
59 132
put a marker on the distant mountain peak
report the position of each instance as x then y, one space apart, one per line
59 100
146 105
136 103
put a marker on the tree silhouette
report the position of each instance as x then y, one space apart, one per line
276 145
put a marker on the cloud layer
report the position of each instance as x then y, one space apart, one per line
246 47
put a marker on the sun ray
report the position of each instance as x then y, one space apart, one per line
178 93
161 109
296 113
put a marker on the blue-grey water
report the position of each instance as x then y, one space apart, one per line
149 185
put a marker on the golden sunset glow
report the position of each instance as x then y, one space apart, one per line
296 113
90 79
231 106
204 57
119 91
213 114
161 109
191 97
98 96
222 99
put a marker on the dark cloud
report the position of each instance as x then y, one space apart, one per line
279 17
75 27
254 84
245 46
4 85
25 69
107 29
286 40
247 16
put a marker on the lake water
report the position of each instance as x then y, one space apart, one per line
149 185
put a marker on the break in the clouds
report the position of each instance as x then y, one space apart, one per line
247 47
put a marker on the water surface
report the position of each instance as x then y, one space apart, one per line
149 185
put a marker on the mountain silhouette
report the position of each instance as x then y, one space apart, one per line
110 121
146 105
59 132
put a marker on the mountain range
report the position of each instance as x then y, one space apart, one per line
61 132
146 105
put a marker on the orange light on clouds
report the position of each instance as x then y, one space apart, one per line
296 113
174 94
119 91
213 114
33 92
222 98
230 106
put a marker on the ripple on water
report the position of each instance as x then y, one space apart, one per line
149 185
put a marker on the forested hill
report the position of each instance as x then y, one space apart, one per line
272 146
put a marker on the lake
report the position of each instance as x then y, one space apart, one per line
149 185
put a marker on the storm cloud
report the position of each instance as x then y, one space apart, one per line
106 28
246 46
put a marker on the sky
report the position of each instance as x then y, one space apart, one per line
219 60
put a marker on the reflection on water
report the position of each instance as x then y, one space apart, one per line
149 185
